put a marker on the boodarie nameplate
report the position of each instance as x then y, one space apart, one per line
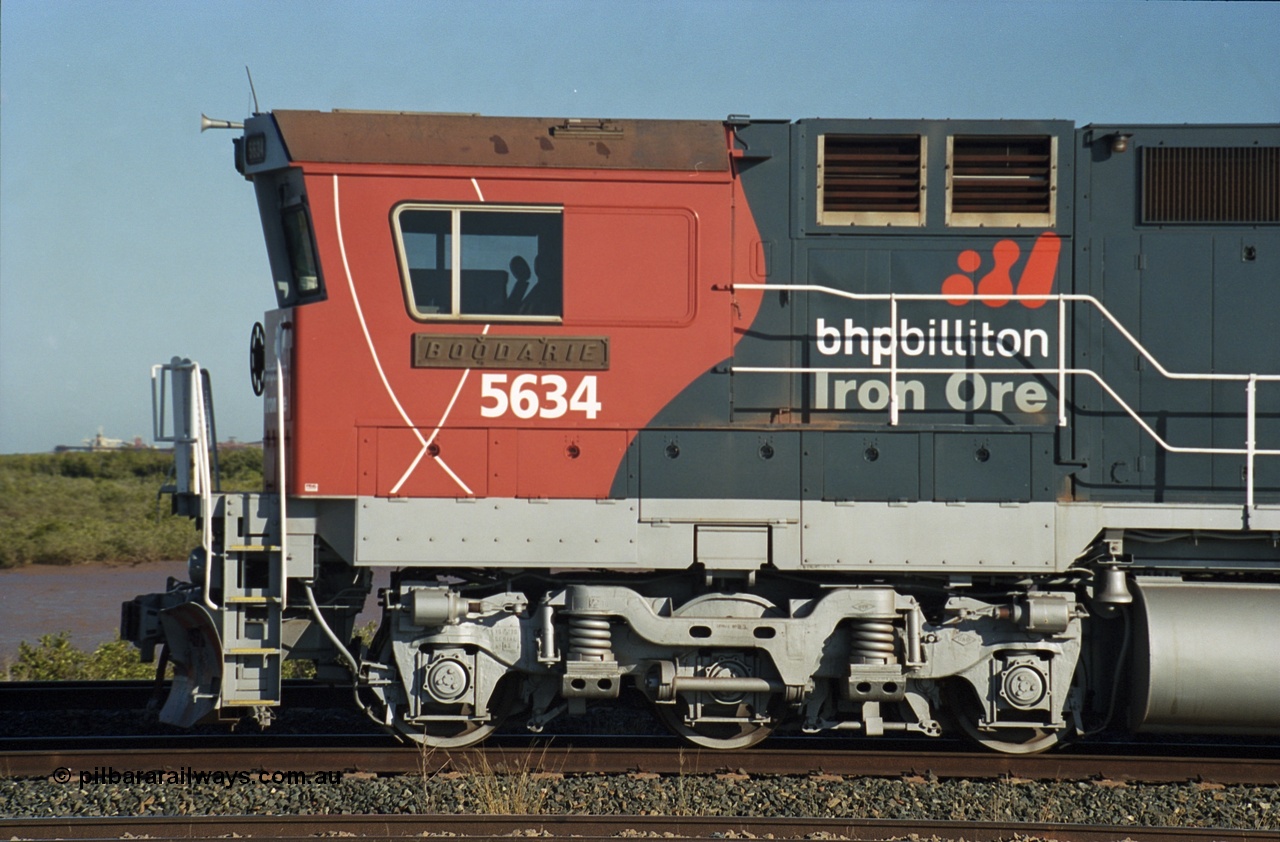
574 353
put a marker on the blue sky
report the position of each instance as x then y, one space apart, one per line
126 237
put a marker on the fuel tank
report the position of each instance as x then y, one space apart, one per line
1205 657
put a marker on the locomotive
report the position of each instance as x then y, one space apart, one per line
742 416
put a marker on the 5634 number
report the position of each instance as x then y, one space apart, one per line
545 395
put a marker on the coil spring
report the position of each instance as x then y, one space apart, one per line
872 642
590 639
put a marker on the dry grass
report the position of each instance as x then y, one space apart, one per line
518 785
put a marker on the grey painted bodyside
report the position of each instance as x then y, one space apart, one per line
1200 297
673 534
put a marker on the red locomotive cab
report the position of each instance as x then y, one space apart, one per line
489 307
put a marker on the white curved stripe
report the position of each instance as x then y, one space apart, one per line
448 409
422 451
364 327
476 184
377 363
444 418
456 478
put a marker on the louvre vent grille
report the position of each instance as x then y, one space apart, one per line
871 174
1001 174
1211 184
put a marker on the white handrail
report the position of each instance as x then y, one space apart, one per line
190 439
206 484
281 484
1250 450
1250 437
1089 299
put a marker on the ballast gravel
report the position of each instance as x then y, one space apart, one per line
827 796
820 796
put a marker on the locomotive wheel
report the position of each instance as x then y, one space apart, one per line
724 736
967 712
461 733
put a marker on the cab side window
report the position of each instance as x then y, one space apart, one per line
304 282
472 262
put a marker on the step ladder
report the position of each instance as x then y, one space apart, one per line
252 605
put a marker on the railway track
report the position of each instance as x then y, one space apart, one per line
135 695
550 758
372 752
588 828
871 794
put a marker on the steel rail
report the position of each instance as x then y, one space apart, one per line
587 828
674 761
136 694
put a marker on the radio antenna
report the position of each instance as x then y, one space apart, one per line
251 90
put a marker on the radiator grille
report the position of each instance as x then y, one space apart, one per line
1211 184
871 179
1001 174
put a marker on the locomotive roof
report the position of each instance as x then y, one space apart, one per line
376 137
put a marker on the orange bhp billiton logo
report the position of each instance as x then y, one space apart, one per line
1036 279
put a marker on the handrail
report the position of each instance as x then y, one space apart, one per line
1250 450
190 439
281 475
206 498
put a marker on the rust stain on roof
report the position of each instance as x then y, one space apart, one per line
458 140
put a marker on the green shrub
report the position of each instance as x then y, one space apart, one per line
63 508
241 469
55 659
298 669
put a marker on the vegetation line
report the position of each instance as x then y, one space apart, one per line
66 508
54 658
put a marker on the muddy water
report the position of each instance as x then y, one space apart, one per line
84 600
